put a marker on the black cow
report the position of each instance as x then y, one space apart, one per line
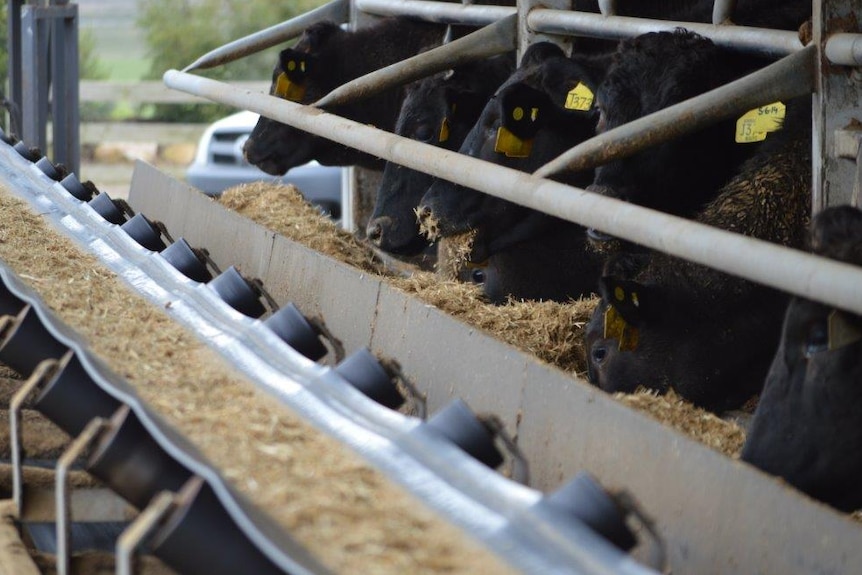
654 71
651 72
807 428
326 57
665 323
541 110
439 110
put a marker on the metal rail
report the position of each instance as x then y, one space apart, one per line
791 77
758 40
336 10
490 40
442 12
783 268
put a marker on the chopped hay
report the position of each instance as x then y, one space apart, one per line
453 253
428 226
699 424
857 516
282 208
349 515
551 331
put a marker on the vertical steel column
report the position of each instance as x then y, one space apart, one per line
13 46
836 104
526 36
49 71
34 76
65 115
360 182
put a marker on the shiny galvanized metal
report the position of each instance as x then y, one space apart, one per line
762 41
491 40
442 12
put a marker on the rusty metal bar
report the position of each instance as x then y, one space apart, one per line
442 12
790 77
763 41
129 540
844 49
802 274
64 522
43 371
336 10
491 40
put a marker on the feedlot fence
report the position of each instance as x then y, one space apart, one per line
826 67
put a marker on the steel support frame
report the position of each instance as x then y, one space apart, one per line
528 36
44 66
837 104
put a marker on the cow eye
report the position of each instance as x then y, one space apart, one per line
478 276
817 339
423 133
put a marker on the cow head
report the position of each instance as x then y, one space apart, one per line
807 428
324 58
542 110
650 333
440 111
652 72
299 76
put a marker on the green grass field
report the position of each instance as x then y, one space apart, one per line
119 43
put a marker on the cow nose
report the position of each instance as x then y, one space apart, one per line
423 213
374 232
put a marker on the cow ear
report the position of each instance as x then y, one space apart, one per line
296 65
539 52
317 36
523 110
632 300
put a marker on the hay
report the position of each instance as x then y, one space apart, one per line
724 436
40 438
453 254
282 208
550 331
345 512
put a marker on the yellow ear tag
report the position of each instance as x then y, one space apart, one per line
616 327
579 98
286 89
511 145
754 125
841 331
444 130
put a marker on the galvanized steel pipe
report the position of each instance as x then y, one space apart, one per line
844 49
783 268
489 41
763 41
336 11
790 77
442 12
